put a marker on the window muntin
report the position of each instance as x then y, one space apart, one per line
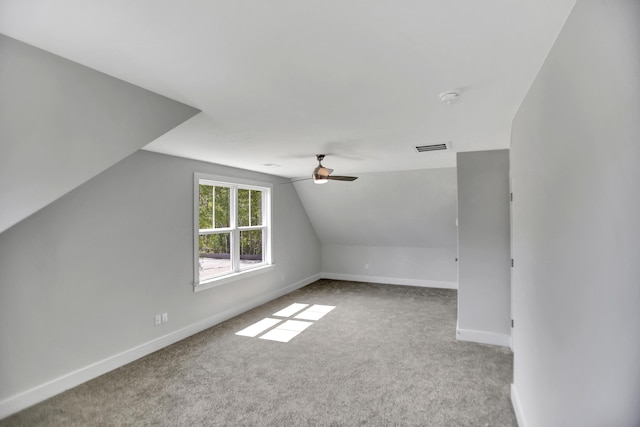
232 228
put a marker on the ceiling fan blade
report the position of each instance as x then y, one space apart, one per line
296 180
342 178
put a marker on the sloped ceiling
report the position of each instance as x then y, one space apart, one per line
397 209
279 81
62 123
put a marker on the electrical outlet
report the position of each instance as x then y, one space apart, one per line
366 266
165 317
158 320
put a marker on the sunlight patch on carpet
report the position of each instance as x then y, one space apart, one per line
258 327
280 335
315 312
286 331
291 310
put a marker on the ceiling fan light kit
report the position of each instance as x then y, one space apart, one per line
449 96
317 179
322 175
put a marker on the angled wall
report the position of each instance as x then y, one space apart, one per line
62 123
81 280
387 227
575 165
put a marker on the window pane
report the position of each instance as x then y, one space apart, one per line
222 217
214 255
214 206
205 206
250 248
243 207
249 207
256 207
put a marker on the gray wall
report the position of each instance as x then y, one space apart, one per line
62 123
484 306
81 280
576 232
414 266
399 224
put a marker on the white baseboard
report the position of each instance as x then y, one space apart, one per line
391 280
517 406
49 389
483 337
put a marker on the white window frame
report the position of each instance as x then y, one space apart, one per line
236 273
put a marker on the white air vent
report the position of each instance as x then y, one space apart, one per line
433 147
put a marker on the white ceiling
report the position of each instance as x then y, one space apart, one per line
279 81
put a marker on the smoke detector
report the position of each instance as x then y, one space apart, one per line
449 96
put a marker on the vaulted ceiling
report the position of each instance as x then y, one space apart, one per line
280 81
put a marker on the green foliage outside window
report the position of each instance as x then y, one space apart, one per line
214 206
249 207
215 212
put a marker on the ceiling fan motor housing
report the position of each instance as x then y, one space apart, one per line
321 174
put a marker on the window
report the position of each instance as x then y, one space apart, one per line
232 229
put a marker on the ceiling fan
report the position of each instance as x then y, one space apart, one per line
322 175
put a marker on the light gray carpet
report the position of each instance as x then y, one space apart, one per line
386 355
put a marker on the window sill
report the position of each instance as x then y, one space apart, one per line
219 281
